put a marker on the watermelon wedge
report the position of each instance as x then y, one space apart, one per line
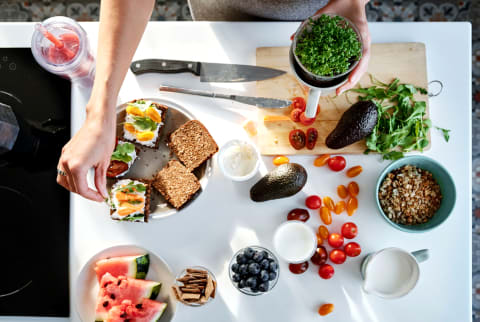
130 266
147 311
114 290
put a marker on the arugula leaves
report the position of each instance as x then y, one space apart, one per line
401 125
144 123
132 187
133 218
328 46
122 152
446 133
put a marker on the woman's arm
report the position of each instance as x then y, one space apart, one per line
354 10
122 23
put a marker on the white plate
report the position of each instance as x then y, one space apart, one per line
150 161
87 284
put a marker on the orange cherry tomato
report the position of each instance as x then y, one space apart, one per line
342 191
352 205
328 202
281 159
354 171
326 309
353 189
325 215
319 240
321 160
340 207
323 231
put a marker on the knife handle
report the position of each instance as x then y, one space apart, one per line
164 66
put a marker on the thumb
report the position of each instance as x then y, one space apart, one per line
101 180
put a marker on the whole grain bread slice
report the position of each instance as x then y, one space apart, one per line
164 110
148 194
176 184
192 144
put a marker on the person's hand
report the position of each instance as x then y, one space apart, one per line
355 12
90 147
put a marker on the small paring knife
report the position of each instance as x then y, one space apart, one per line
208 72
250 100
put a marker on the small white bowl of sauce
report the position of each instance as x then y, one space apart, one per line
238 160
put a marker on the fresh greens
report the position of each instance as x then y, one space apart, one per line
122 152
328 46
133 218
132 187
446 133
144 123
401 126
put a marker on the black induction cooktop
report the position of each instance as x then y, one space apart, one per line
34 209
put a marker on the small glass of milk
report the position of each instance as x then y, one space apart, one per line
238 160
295 242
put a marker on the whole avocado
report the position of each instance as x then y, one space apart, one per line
283 181
355 124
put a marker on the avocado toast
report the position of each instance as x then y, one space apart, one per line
130 200
144 121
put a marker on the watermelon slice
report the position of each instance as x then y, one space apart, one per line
113 291
147 311
130 266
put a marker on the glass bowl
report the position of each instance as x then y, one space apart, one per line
248 290
184 272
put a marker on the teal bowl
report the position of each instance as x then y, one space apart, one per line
447 186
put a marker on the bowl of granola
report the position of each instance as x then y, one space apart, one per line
415 194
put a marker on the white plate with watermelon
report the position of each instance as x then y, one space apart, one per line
125 282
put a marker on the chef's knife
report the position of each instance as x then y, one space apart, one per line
255 101
208 72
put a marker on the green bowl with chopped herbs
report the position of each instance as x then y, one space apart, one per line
327 46
441 176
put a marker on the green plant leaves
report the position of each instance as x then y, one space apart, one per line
122 152
144 123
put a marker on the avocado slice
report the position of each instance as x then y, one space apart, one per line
355 124
284 181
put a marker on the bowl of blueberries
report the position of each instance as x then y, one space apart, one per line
254 270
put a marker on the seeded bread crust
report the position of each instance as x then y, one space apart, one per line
164 110
148 193
176 184
192 144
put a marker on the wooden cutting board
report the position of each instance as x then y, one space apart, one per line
407 61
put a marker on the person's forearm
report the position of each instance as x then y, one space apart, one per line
122 23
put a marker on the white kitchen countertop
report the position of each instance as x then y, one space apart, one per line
224 219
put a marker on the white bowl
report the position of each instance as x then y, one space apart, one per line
221 158
87 284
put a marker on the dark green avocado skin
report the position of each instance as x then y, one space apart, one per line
284 181
355 124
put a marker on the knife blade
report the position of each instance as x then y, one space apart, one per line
208 72
250 100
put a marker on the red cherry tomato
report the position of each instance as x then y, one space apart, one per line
338 256
337 163
326 271
335 240
313 202
116 168
312 136
297 139
298 214
353 249
349 230
305 120
298 268
320 257
295 114
299 102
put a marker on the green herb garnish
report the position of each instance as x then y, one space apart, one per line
133 218
122 152
329 46
446 133
144 123
131 187
401 125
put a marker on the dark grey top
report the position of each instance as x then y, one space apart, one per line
215 10
279 9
